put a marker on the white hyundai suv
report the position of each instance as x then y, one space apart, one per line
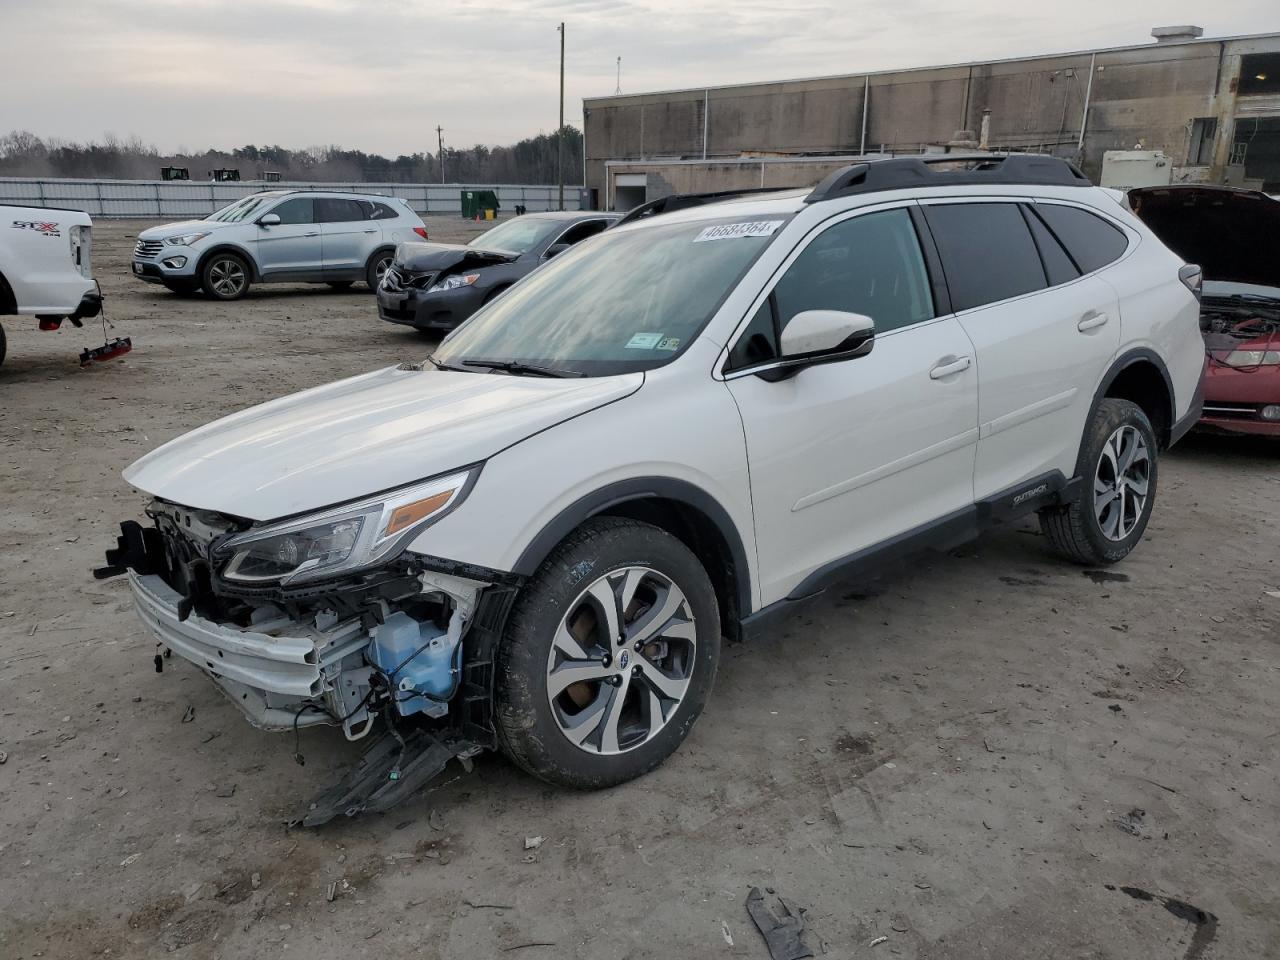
670 434
278 236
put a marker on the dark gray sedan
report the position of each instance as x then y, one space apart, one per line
435 286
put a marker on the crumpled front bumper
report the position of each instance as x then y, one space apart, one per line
270 670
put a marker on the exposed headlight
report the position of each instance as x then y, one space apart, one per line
187 239
344 538
1252 358
455 281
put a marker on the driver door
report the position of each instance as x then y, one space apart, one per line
292 246
846 455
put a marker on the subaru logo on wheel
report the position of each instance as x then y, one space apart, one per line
623 659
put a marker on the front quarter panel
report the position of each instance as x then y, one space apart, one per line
681 424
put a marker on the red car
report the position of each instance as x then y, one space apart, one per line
1232 234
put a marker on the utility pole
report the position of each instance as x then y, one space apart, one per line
440 148
560 130
618 89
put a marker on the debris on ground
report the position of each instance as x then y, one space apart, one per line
189 714
724 932
877 941
331 891
533 843
783 934
1133 822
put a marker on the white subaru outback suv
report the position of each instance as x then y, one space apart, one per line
668 435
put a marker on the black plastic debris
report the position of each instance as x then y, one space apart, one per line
783 934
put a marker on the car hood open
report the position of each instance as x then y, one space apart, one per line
437 257
357 437
1229 232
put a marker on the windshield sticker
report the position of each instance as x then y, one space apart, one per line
643 341
731 231
671 343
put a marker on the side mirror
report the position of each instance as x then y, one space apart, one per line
821 336
269 220
555 249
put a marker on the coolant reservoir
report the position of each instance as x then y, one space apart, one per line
418 659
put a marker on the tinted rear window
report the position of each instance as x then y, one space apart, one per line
1057 264
987 252
1091 241
334 210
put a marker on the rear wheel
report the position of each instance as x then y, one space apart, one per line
1119 470
4 346
609 657
378 265
225 277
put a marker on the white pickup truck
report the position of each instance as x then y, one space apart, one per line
44 266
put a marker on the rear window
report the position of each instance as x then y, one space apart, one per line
379 211
336 210
987 252
1091 241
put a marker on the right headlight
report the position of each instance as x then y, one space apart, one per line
342 539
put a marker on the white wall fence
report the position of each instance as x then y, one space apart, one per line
160 199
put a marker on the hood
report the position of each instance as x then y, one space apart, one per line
435 257
358 437
1229 232
183 227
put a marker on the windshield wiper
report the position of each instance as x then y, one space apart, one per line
520 368
444 366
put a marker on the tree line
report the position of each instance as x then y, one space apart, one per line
531 160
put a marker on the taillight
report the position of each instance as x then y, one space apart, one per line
1192 278
422 232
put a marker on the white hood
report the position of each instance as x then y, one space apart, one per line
357 437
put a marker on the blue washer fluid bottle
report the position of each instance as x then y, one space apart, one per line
429 669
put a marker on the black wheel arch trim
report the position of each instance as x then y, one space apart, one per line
254 275
1124 362
640 488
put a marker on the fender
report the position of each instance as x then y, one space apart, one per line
1122 363
640 488
239 251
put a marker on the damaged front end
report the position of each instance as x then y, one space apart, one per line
407 639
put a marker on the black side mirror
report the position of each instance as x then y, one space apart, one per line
555 249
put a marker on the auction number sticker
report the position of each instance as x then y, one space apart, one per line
731 231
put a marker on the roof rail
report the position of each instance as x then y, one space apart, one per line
681 201
897 173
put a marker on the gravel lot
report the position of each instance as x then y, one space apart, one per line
971 759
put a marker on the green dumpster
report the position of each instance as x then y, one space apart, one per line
482 204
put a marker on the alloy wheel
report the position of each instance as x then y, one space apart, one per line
1120 482
380 268
621 661
228 277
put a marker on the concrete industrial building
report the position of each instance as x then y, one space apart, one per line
1211 105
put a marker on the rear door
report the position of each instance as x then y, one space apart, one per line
349 236
292 246
1044 331
847 455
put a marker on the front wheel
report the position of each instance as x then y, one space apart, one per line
225 277
377 266
1118 469
609 656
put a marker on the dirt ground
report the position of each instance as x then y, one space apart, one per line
973 760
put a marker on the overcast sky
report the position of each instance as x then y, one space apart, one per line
378 75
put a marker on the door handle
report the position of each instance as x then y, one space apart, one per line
311 234
1092 322
371 231
948 366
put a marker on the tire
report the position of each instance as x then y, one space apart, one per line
4 345
376 267
225 276
557 631
339 284
1102 526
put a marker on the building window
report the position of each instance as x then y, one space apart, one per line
1259 73
1200 151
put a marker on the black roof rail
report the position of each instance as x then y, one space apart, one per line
899 173
681 201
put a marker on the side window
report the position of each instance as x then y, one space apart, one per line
987 252
295 210
381 211
336 210
1057 264
1091 241
580 231
869 264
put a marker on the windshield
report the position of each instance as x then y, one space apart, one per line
619 302
519 236
241 209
